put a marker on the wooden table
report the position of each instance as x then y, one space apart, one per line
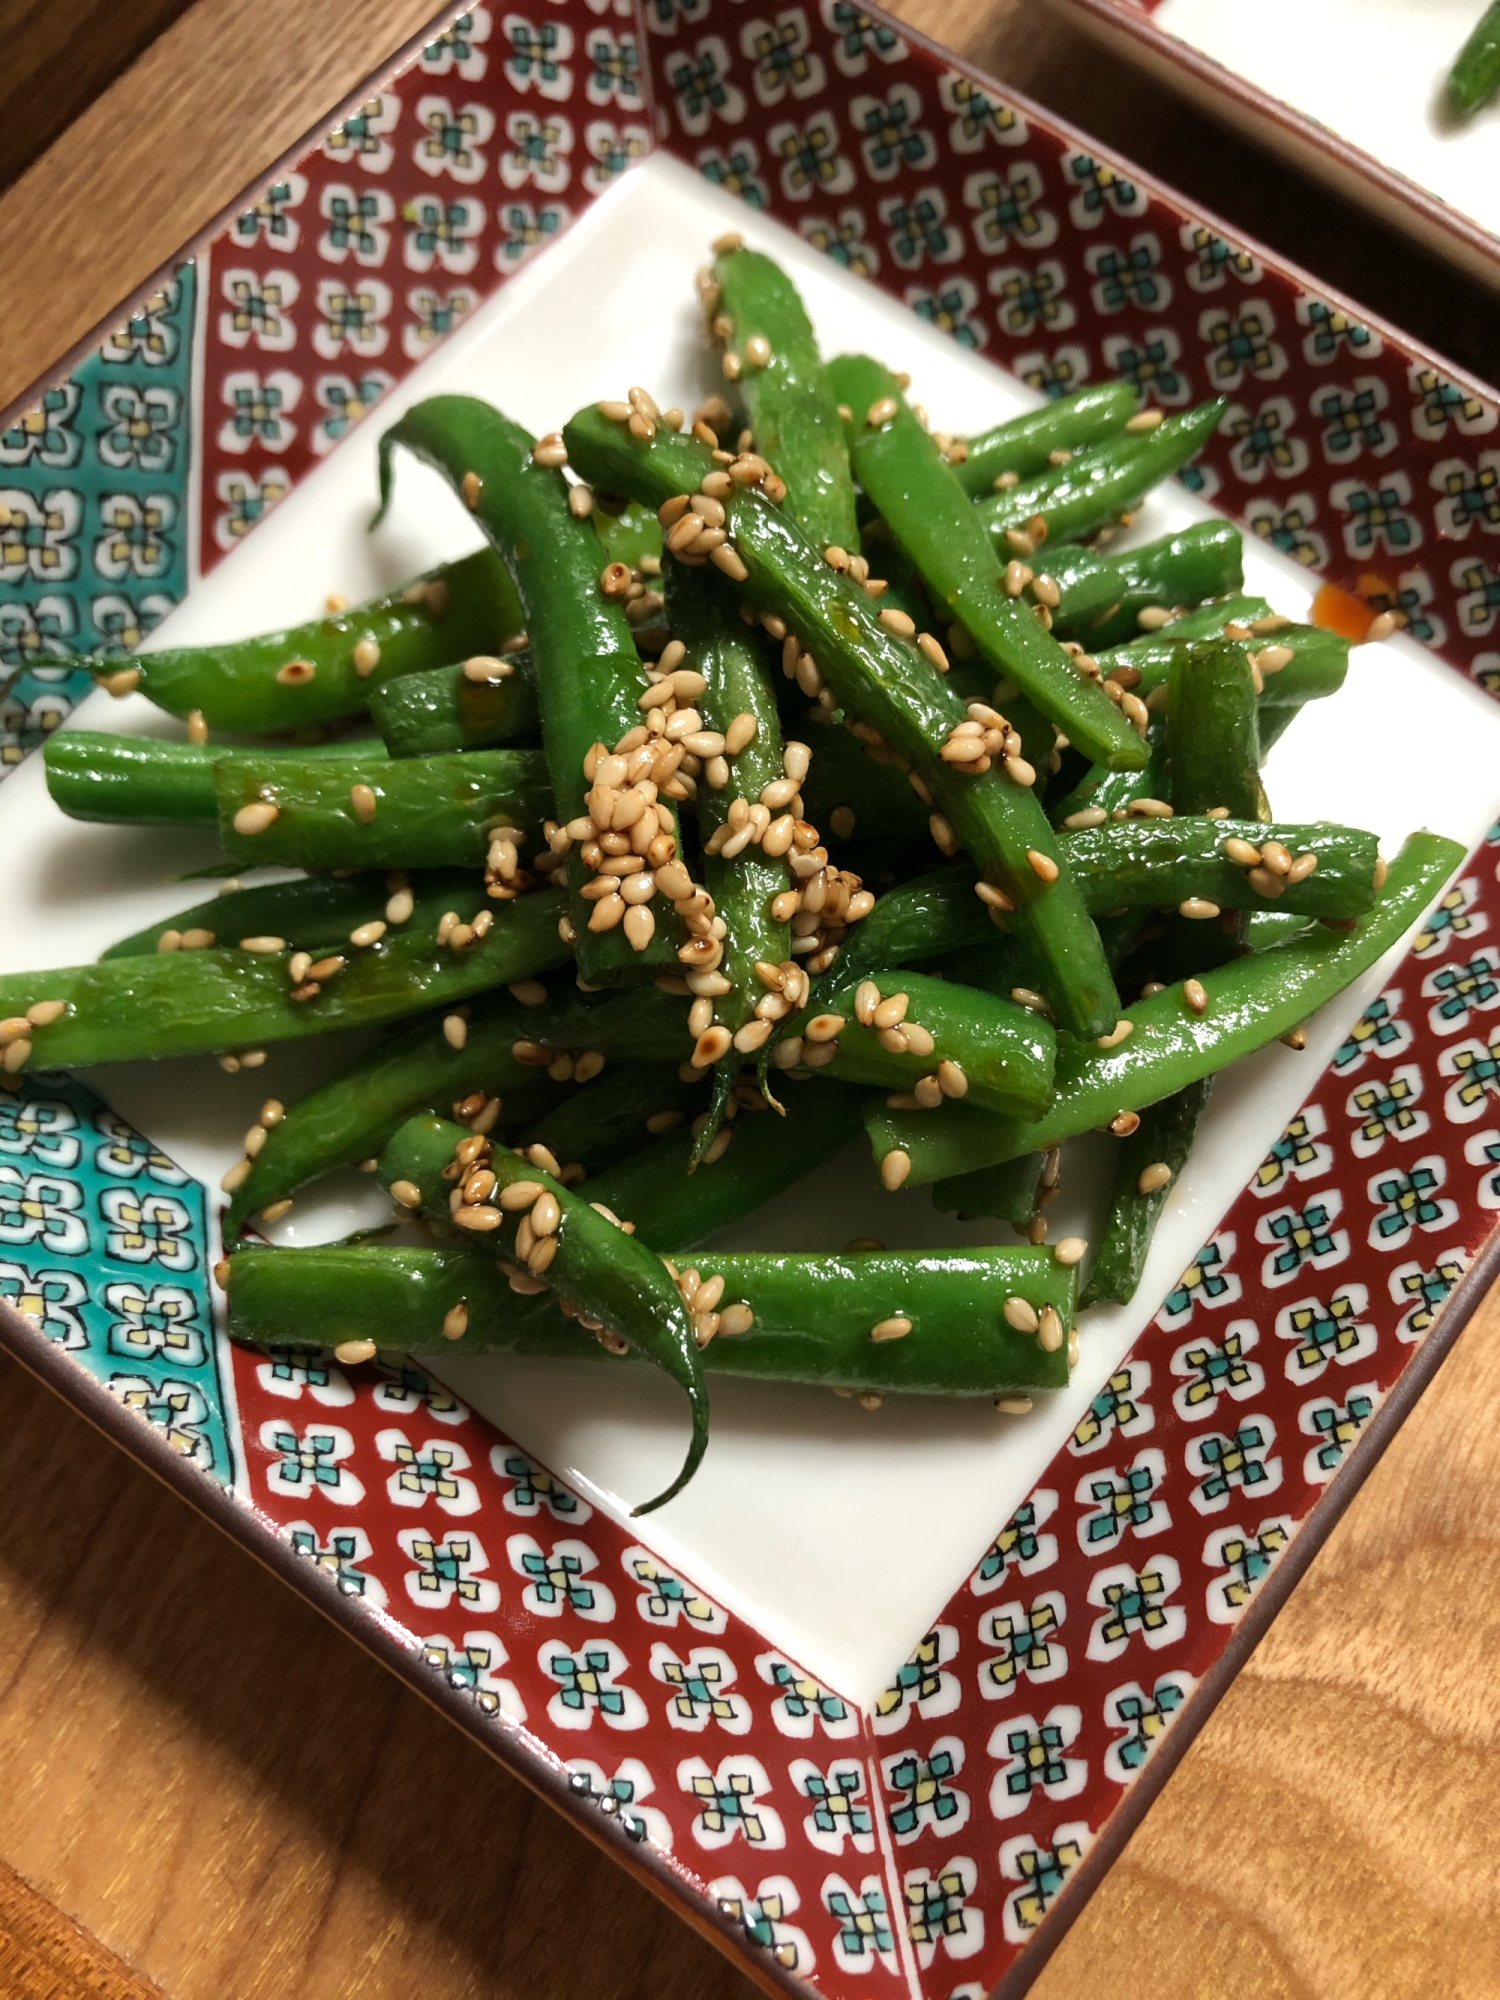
207 1788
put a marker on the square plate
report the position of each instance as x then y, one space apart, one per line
1350 90
1082 1581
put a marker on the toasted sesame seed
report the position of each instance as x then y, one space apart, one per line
1013 1406
1089 816
1120 1032
1124 1123
1295 1038
296 673
1042 865
894 1168
727 558
234 1178
1302 866
1242 853
1070 1249
1197 909
124 681
1020 772
1265 882
197 939
825 1027
1382 869
170 940
952 1080
276 1209
881 411
256 817
364 801
367 934
1016 577
1151 617
1021 1314
1152 1179
931 650
399 909
1044 589
712 1046
1146 420
352 1352
897 622
891 1012
1382 627
1049 1334
1195 993
265 944
943 834
897 1327
455 1030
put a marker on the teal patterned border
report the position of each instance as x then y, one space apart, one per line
104 1248
95 513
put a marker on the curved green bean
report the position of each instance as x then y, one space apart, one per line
423 715
1025 444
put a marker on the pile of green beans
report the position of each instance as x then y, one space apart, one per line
776 779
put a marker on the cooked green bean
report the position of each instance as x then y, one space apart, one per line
1010 1192
325 670
588 674
1475 76
315 913
813 1315
148 780
1246 1005
616 1115
778 373
1104 596
1213 738
550 1235
1025 444
1150 1160
458 708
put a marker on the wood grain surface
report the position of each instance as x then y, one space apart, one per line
235 1804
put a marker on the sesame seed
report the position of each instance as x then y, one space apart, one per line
758 351
234 1178
1150 809
1044 589
897 622
1195 993
267 944
892 1012
1070 1249
296 673
362 798
951 1079
1276 857
881 411
1381 627
1020 772
1152 1179
1242 853
353 1352
728 559
1124 1123
712 1046
399 909
549 451
1151 617
1013 1406
297 966
124 681
894 1168
1295 1038
256 817
169 940
197 727
1197 908
897 1327
1042 865
1021 1314
825 1027
277 1209
1382 869
1266 883
1146 420
455 1030
730 241
869 1399
367 934
1120 1032
943 834
1089 816
1302 866
1049 1333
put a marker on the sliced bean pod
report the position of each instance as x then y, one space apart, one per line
1009 1192
1025 444
1162 863
588 674
957 1040
788 399
585 1259
472 706
325 670
1475 76
202 1002
1100 485
883 678
1213 739
1247 1004
1146 1171
813 1315
619 1113
901 468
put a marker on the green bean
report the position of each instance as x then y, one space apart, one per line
508 1038
1149 1162
1103 596
325 670
1025 444
886 680
630 534
1213 740
960 1042
360 812
788 399
1160 863
315 913
1475 75
147 780
588 674
591 1264
812 1324
423 715
743 880
1104 483
852 795
901 468
1247 1004
201 1002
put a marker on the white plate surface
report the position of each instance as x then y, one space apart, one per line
839 1532
1372 71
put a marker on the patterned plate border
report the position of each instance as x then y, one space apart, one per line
942 1842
